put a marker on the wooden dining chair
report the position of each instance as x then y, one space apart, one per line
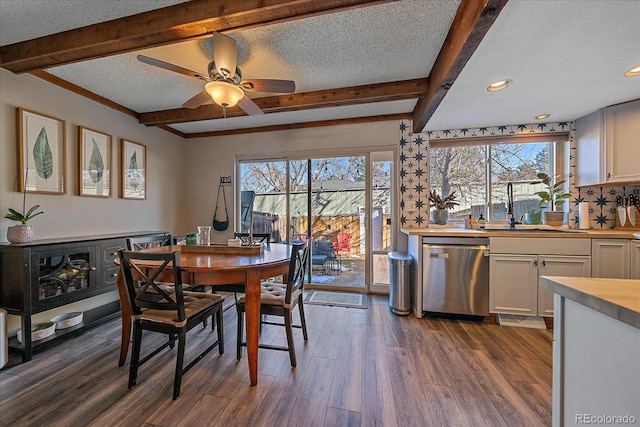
238 288
279 299
137 244
257 237
174 313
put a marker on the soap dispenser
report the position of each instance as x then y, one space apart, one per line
481 221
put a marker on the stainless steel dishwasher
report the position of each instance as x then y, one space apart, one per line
455 276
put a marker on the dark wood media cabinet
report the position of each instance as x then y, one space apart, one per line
46 274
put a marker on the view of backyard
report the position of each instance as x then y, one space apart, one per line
331 211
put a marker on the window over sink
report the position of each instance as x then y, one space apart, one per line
479 170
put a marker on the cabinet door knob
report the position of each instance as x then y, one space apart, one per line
544 263
92 268
535 263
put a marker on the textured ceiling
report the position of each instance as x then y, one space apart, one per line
566 58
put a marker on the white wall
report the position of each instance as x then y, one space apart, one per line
210 158
73 215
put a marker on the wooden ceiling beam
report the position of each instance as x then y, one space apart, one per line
182 22
471 23
354 95
302 125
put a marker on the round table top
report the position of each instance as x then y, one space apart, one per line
274 254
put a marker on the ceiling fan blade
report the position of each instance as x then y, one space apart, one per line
198 100
250 107
171 67
225 54
269 85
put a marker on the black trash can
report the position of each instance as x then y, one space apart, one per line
400 284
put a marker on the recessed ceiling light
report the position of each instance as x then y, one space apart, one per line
635 71
542 116
499 85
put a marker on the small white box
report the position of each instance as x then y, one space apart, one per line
234 242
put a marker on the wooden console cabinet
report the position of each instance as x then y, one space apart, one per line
46 274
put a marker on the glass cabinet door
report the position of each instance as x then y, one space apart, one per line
63 275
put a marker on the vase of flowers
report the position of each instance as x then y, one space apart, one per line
441 205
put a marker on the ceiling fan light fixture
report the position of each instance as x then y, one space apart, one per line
499 85
635 71
223 93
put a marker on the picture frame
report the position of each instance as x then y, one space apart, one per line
42 153
133 161
94 163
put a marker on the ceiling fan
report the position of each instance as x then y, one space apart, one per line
225 85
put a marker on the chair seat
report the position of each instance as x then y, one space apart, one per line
194 302
273 293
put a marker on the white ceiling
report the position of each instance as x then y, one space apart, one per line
566 58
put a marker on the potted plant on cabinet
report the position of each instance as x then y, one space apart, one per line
555 196
21 233
441 204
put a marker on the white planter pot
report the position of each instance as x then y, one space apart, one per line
20 234
553 218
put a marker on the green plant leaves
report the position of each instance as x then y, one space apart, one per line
42 156
133 161
96 164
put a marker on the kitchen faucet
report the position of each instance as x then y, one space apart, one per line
510 214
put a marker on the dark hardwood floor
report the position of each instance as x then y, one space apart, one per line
359 368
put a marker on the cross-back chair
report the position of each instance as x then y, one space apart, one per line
279 299
137 244
171 312
238 288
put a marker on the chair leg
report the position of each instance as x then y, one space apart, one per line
220 320
179 363
303 322
289 331
239 334
125 338
135 354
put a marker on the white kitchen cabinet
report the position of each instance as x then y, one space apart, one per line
635 259
610 258
550 265
622 137
515 265
606 145
513 283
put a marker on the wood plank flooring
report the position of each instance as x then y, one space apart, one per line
359 368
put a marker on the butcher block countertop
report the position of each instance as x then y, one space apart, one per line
521 231
616 298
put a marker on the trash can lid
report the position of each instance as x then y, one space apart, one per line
399 258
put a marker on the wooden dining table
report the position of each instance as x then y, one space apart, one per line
211 269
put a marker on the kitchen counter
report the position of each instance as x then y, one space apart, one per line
616 298
596 347
522 231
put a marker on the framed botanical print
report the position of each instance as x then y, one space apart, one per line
94 163
41 149
133 160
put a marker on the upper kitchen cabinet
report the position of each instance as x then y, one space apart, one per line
607 143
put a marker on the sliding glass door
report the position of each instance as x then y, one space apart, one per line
342 205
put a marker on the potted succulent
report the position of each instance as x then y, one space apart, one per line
555 197
441 204
21 233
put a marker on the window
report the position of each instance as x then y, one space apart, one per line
479 174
